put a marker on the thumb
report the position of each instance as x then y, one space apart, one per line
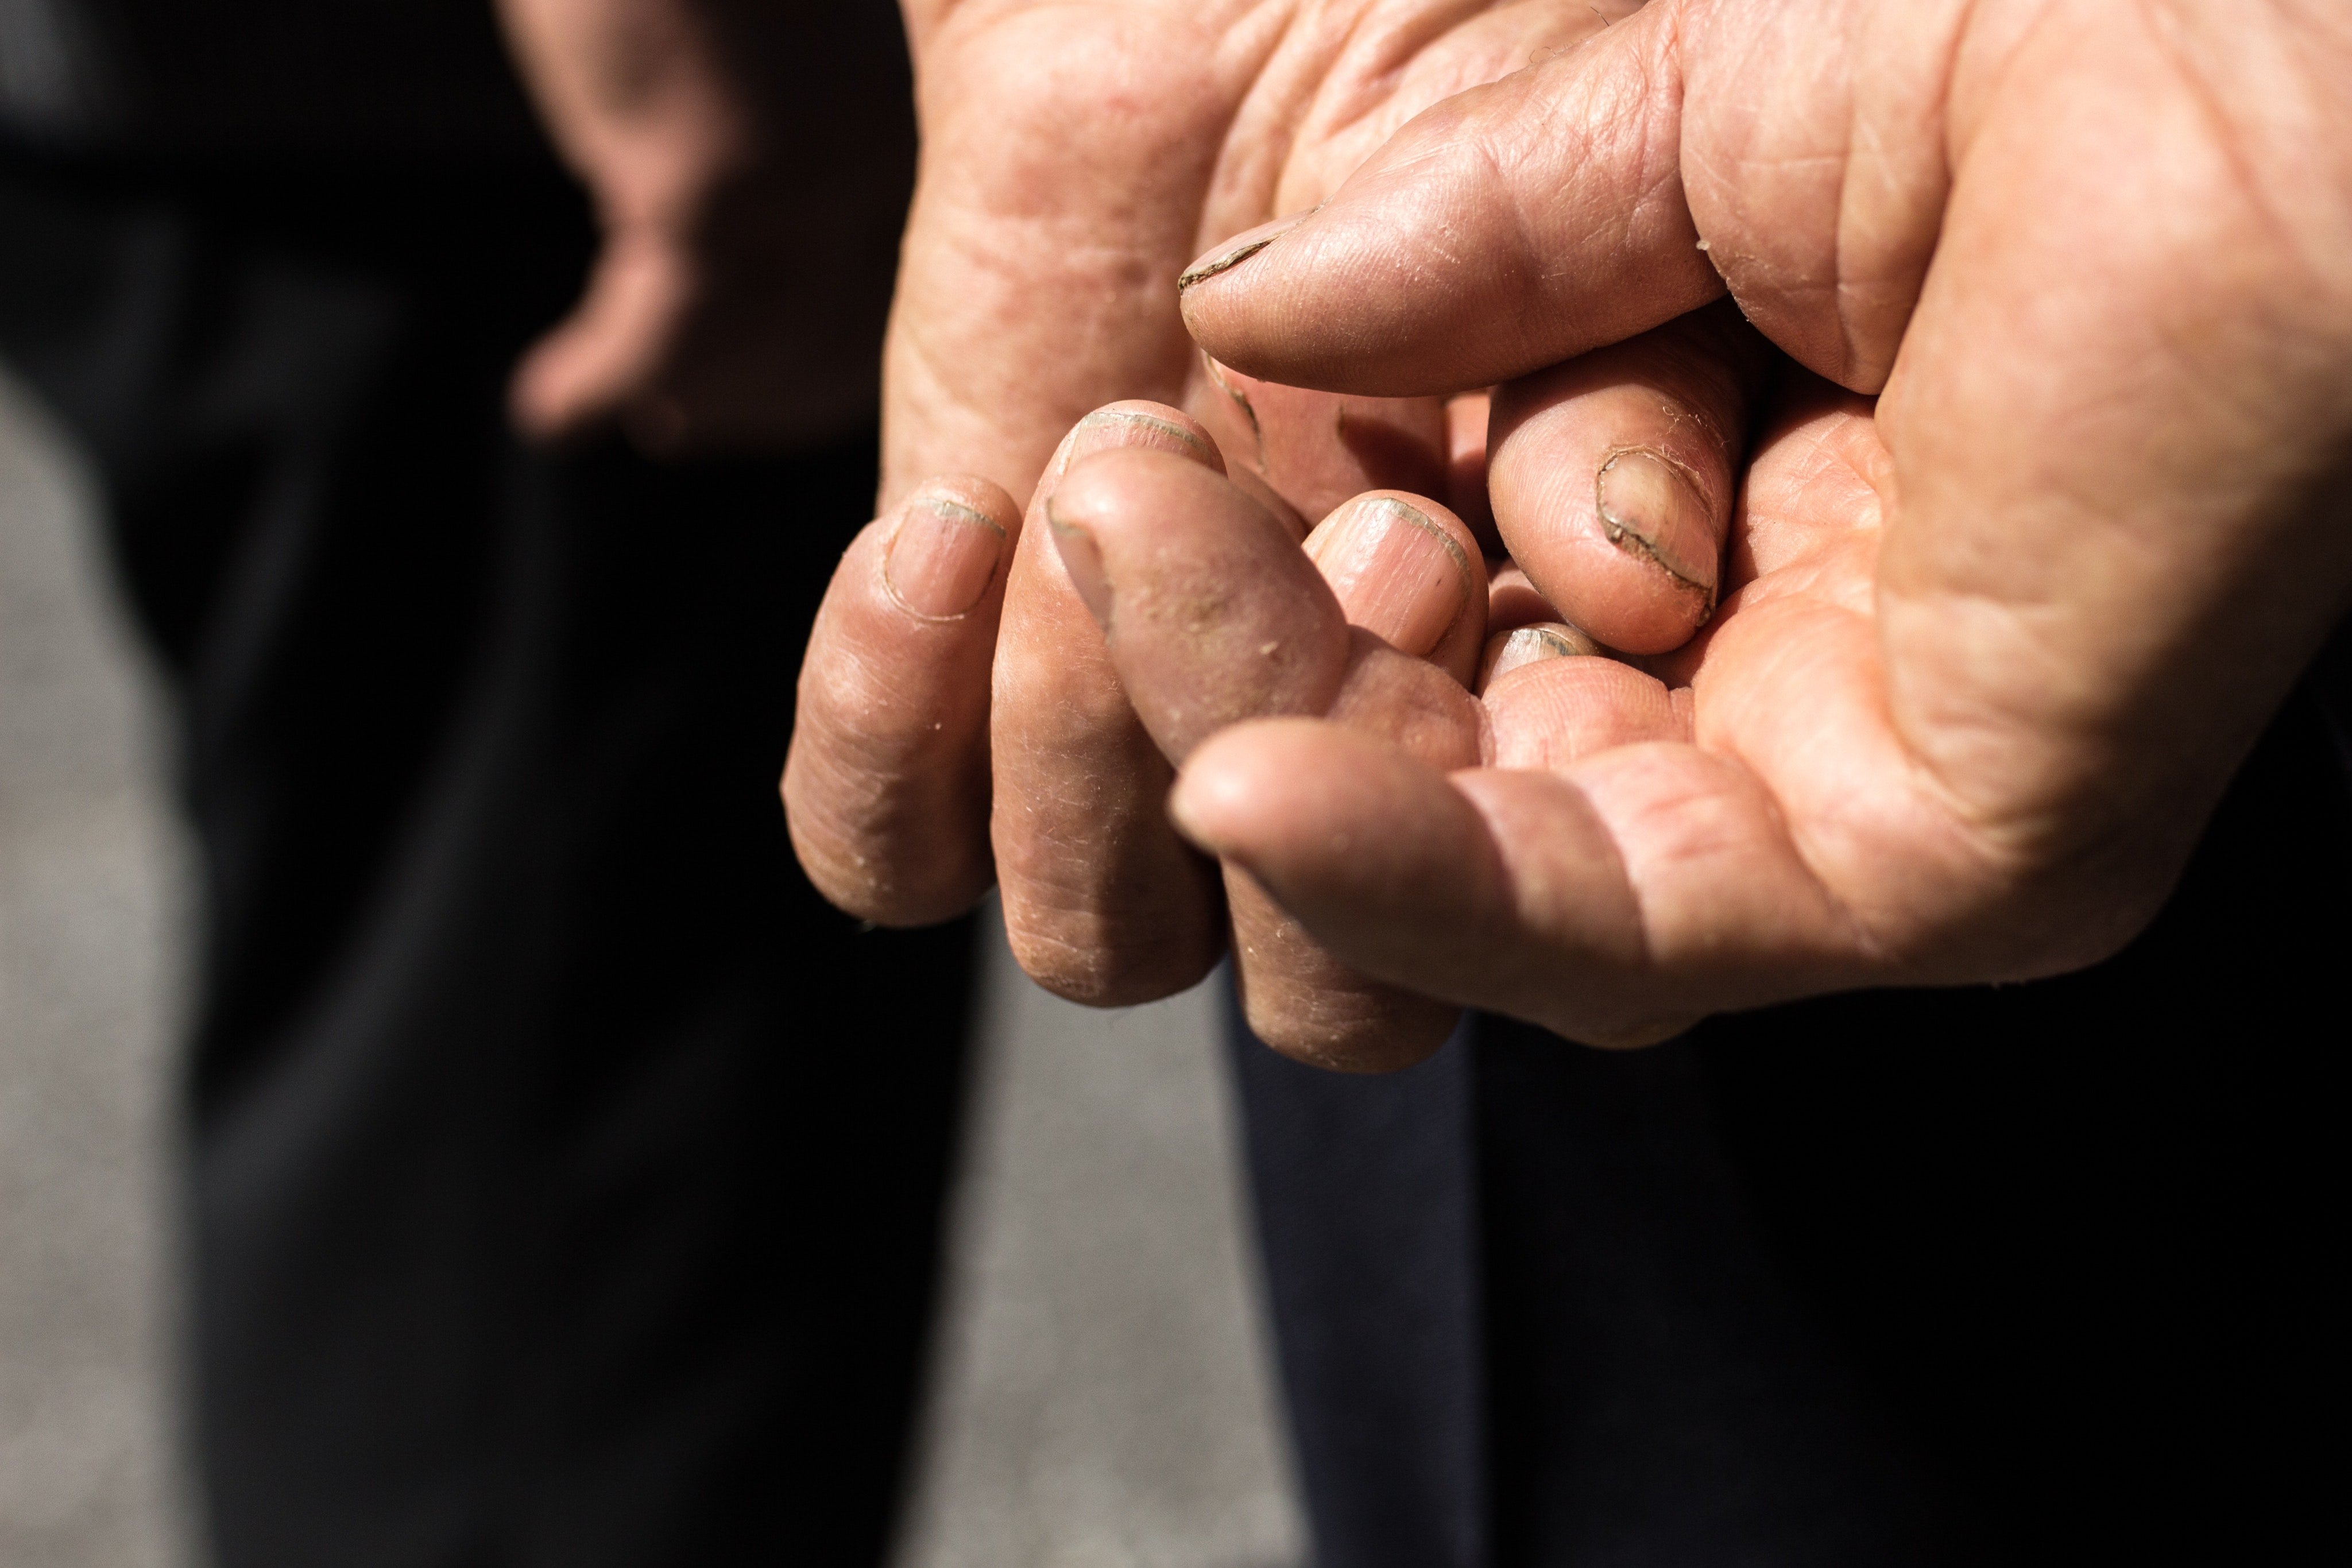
1504 229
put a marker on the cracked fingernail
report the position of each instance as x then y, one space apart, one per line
1523 645
1082 558
1650 506
1395 571
942 557
1240 248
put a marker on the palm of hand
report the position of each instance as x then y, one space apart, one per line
1778 844
1718 826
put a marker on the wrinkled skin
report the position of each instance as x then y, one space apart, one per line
1037 281
1988 649
1077 155
2107 511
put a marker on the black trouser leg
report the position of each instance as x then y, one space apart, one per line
566 1174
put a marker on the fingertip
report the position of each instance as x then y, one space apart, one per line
540 399
1531 644
1226 779
1223 257
593 364
1210 611
1613 478
885 780
1129 425
1409 571
949 546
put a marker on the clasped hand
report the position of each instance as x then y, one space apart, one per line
2031 536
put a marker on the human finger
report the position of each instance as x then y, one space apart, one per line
1409 572
1612 476
886 783
1102 902
592 368
1508 228
1212 617
1553 897
1794 154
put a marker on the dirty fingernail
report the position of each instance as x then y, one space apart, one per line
1396 572
1523 645
1240 248
1135 428
1650 506
1082 558
942 557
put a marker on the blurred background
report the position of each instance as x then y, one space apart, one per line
1102 1390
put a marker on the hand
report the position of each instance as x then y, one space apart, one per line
750 165
2137 862
1593 843
1038 280
2100 259
1074 155
887 787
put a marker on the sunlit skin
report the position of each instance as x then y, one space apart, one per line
1986 649
1037 283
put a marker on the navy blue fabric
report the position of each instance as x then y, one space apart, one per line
1659 1394
1366 1201
565 1175
2039 1273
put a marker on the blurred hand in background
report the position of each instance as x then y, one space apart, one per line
730 148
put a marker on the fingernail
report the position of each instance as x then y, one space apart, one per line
1083 557
1650 506
1131 429
942 557
1107 427
1509 650
1397 574
1240 248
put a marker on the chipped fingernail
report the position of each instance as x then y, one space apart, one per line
1083 559
1523 645
1396 572
942 557
1650 506
1240 248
